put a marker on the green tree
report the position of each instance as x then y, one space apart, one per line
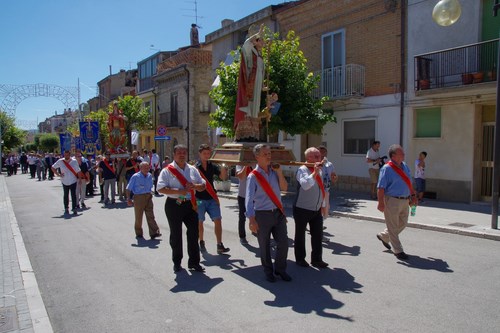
299 113
138 117
49 142
12 136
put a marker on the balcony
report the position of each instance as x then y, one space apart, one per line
461 66
341 82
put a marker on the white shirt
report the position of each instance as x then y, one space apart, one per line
373 155
155 161
419 171
167 179
67 177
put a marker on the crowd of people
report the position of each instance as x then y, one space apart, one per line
190 196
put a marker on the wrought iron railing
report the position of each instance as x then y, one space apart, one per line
470 64
341 82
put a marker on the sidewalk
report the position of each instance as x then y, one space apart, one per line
21 305
458 218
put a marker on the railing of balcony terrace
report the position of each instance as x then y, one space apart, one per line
459 66
341 82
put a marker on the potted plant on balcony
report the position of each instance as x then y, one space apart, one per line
467 78
424 84
477 77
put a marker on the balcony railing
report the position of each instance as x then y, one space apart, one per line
341 82
470 64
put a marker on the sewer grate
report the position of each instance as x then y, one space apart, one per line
8 319
461 225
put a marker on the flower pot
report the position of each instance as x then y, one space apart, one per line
222 185
477 77
424 84
467 78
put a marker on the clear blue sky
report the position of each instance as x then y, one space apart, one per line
58 41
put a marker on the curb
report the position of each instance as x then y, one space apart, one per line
39 317
431 227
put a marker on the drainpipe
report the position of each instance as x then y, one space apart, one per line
402 86
187 111
155 120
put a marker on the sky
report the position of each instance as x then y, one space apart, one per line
61 42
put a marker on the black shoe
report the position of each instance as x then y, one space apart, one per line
284 276
155 235
177 268
302 263
84 206
319 264
197 268
75 212
202 246
66 212
387 246
270 277
401 256
221 249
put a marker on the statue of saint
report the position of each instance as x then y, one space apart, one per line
116 126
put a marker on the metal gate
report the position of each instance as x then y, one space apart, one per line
487 161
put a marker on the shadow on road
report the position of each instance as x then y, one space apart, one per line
223 261
307 292
197 282
151 243
426 264
341 249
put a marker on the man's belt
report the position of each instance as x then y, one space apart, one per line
401 198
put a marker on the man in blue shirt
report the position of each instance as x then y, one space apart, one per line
265 215
394 194
140 184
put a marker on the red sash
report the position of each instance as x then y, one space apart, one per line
180 177
70 168
248 170
109 166
210 189
269 191
134 163
400 172
320 182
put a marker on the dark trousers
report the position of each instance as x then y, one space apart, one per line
32 170
176 215
156 174
315 220
51 173
67 189
89 190
241 217
272 223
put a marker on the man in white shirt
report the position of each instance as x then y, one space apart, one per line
67 168
155 168
373 161
420 175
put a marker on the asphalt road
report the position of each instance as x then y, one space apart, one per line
95 277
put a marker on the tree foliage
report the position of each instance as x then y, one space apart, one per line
49 142
12 136
299 113
138 117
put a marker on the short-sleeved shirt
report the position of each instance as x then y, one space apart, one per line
68 178
392 183
132 171
327 171
243 181
167 179
211 171
107 173
140 183
419 171
373 155
256 198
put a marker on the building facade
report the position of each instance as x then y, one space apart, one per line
451 98
355 48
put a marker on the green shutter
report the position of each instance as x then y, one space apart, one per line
428 123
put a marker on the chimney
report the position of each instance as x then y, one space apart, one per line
226 22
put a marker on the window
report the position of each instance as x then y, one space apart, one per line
358 135
174 110
428 123
333 63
